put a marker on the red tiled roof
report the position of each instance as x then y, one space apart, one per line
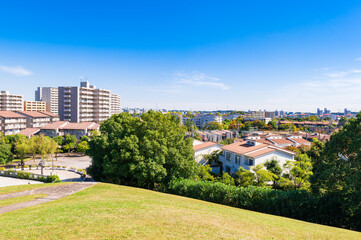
78 126
29 131
301 140
260 152
10 114
242 147
203 145
33 114
54 125
253 151
95 126
281 141
49 113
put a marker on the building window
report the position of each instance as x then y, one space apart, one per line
228 169
228 156
237 159
250 162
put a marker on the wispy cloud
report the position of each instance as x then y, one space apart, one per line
16 71
201 80
342 74
358 59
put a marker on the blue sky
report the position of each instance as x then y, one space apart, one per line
199 55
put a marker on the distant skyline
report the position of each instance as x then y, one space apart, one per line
198 55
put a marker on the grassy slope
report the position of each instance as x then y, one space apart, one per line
116 212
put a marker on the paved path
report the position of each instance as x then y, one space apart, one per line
53 193
9 181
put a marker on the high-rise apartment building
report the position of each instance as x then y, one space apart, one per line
35 106
115 104
11 102
49 95
86 103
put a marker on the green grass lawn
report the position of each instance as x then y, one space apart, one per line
15 200
106 211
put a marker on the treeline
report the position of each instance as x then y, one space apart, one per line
21 147
298 204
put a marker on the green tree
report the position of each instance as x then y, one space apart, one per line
244 178
301 172
214 126
226 179
144 152
5 153
84 138
13 140
262 176
22 149
204 173
69 143
59 140
82 147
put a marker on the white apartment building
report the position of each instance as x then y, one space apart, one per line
86 103
35 119
50 96
202 120
11 122
115 104
11 102
250 153
34 106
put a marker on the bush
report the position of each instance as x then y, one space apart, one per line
298 204
52 179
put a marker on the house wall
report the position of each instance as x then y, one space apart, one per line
198 155
233 166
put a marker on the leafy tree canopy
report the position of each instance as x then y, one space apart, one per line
142 152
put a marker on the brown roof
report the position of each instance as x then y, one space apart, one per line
54 125
33 114
301 140
50 114
203 145
260 152
10 114
282 141
242 147
253 151
79 126
29 131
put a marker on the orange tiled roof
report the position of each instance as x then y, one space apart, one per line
33 114
203 145
29 131
54 125
10 114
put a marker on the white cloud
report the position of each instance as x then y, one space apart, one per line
342 74
200 79
17 71
358 59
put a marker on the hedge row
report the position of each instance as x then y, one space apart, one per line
298 204
27 175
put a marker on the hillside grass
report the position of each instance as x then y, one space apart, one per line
106 211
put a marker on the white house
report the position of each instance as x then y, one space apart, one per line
203 148
250 153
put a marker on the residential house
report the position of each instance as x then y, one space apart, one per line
250 153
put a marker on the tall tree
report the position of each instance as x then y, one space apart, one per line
143 152
22 149
69 143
